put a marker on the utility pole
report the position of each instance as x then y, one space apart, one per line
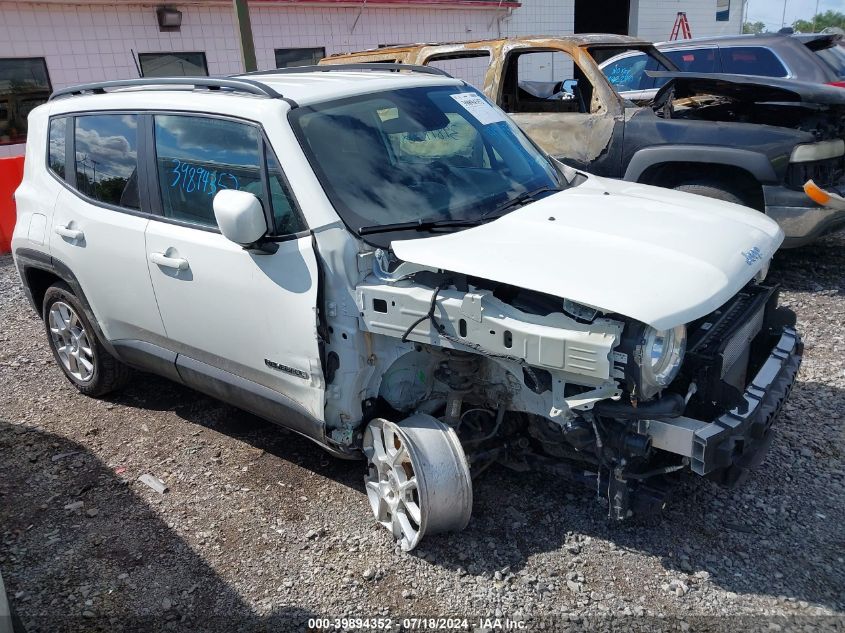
783 17
245 35
814 16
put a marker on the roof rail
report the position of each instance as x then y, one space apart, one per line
235 85
428 70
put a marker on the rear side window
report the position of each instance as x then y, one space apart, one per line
752 60
107 158
472 68
695 60
56 159
198 156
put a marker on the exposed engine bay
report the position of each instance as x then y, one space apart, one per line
823 122
748 100
532 381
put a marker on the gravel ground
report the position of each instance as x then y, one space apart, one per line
260 530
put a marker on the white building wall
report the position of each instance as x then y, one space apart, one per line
84 43
653 19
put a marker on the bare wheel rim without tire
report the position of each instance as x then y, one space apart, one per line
417 480
71 341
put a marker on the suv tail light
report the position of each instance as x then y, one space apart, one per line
838 84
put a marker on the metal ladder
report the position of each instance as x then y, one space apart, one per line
681 27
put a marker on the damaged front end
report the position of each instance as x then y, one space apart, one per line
715 417
800 125
536 382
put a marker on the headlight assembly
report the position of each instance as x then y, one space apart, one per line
652 358
822 150
662 355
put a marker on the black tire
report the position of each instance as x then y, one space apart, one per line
710 189
108 373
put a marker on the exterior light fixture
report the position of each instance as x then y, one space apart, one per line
169 18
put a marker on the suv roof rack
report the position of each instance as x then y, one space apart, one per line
428 70
235 85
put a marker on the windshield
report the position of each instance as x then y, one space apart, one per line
418 154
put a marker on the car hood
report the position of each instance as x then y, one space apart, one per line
745 88
659 256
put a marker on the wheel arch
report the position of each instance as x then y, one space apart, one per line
37 280
740 177
39 271
754 164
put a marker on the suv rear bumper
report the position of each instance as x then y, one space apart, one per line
725 448
801 219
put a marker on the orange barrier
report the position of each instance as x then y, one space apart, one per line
11 174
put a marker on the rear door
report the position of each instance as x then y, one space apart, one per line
98 225
242 313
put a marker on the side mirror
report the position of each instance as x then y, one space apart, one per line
570 85
240 216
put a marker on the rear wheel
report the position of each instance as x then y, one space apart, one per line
418 480
84 360
711 189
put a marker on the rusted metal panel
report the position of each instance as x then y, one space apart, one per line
581 138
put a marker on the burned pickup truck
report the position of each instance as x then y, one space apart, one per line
754 141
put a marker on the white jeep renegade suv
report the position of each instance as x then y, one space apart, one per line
377 258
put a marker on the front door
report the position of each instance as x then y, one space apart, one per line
554 102
245 313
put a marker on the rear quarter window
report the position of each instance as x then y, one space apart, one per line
57 146
752 60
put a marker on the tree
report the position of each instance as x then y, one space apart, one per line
822 21
753 27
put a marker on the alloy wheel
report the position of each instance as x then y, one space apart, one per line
418 479
71 341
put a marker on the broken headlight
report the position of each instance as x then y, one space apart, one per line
657 357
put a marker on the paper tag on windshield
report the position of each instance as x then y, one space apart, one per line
479 108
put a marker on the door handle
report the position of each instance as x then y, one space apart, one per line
160 259
66 231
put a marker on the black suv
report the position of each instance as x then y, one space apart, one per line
814 57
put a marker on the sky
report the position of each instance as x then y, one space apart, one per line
770 12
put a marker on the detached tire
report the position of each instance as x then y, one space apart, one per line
79 353
711 189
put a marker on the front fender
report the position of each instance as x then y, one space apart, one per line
755 163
